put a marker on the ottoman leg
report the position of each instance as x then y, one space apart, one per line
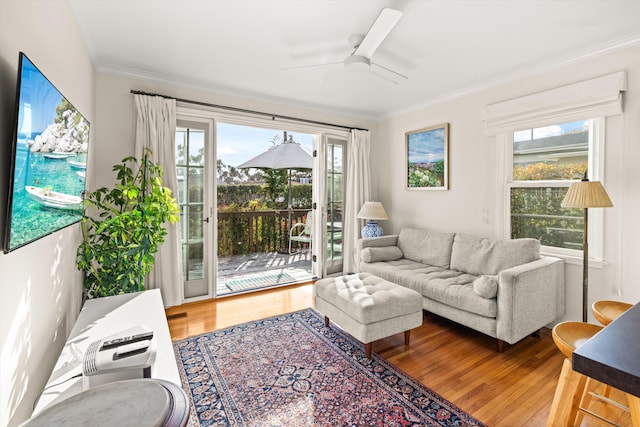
407 335
326 321
367 350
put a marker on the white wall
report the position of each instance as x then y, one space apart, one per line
470 204
40 286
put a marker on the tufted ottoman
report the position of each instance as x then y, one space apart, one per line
368 307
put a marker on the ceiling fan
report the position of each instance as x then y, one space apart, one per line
365 46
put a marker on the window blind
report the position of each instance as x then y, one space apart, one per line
597 97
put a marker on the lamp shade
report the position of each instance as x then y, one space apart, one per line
372 210
587 194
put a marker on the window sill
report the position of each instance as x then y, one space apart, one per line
574 260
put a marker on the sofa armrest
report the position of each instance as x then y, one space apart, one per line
530 296
373 242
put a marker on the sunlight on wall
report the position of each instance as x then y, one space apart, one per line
44 312
15 354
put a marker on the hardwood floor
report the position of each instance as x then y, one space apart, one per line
513 388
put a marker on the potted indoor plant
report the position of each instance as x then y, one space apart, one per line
123 227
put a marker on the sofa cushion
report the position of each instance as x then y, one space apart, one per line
448 287
486 286
388 253
476 255
426 247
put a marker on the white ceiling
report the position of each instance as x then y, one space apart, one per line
445 47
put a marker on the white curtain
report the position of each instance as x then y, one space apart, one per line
156 130
358 190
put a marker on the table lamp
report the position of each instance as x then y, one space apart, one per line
586 194
372 211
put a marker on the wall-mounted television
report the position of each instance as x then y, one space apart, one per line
48 160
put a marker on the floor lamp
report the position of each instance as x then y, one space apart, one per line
586 194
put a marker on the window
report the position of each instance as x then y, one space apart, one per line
335 201
541 164
535 134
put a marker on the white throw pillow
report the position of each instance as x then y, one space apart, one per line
387 253
486 286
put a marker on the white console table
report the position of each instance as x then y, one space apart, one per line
106 316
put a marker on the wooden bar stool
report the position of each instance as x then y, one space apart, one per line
571 385
608 311
575 390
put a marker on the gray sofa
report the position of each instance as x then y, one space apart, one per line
503 289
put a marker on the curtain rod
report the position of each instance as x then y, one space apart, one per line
242 110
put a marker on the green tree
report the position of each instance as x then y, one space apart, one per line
548 171
276 182
438 169
275 179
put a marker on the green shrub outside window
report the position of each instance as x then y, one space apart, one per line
545 161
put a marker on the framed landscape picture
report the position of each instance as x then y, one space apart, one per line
428 158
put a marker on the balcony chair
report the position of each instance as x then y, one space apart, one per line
305 235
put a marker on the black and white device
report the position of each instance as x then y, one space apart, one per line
126 355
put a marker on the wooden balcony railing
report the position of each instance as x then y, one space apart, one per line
242 233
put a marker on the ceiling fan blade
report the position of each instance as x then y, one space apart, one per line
385 22
387 73
301 67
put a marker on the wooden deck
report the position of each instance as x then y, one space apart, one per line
297 266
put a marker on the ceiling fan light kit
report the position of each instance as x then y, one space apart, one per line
357 63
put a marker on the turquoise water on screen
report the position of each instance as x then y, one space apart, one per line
29 219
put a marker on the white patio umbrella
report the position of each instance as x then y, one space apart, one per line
286 155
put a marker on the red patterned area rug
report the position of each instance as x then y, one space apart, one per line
291 370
